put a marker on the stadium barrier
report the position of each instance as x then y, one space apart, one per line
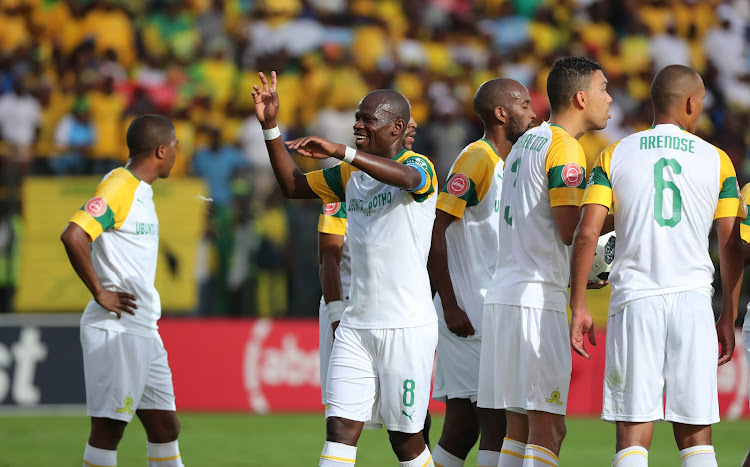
246 365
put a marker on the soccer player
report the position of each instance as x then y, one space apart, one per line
335 279
381 362
462 260
525 359
112 243
666 187
745 234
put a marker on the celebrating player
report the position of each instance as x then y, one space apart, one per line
669 186
381 362
525 360
335 279
462 260
112 243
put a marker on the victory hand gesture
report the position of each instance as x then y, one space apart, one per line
266 101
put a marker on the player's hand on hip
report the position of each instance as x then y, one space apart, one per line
117 302
596 284
581 323
457 321
266 101
315 147
725 334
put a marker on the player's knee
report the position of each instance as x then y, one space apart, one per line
106 433
559 430
341 430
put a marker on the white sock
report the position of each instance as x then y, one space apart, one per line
443 458
511 454
337 455
698 456
539 456
487 458
164 454
99 457
634 456
422 460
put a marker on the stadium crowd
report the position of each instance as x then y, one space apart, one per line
73 74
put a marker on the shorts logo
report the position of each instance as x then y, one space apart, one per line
408 415
331 209
458 185
96 206
554 398
572 174
128 406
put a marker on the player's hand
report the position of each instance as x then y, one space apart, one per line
457 321
596 284
334 326
117 302
266 101
725 333
581 323
315 147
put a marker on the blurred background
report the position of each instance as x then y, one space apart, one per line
238 268
74 73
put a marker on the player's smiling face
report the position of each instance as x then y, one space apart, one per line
375 128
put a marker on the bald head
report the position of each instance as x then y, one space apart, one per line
498 92
672 87
388 105
147 132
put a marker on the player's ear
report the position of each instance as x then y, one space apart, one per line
161 151
501 115
581 99
399 126
690 105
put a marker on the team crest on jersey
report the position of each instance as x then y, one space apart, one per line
458 185
331 209
572 174
96 206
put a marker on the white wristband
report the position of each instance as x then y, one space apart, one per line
271 133
349 155
335 310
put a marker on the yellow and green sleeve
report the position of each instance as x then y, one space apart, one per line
730 203
330 184
564 154
332 219
598 188
429 180
468 182
116 193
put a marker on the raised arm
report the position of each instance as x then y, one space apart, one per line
584 247
384 170
77 245
290 178
731 261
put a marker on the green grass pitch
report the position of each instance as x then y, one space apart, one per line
216 440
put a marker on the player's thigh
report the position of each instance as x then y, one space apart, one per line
325 344
456 366
691 361
405 364
499 366
634 367
114 372
547 357
158 393
352 386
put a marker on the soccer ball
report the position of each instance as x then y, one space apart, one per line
603 258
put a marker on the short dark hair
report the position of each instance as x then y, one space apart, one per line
148 132
568 76
671 85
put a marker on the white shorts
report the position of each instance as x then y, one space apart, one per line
124 373
382 375
662 347
456 366
525 359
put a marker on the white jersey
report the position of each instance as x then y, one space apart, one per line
745 234
545 169
472 194
332 220
389 232
121 221
666 186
